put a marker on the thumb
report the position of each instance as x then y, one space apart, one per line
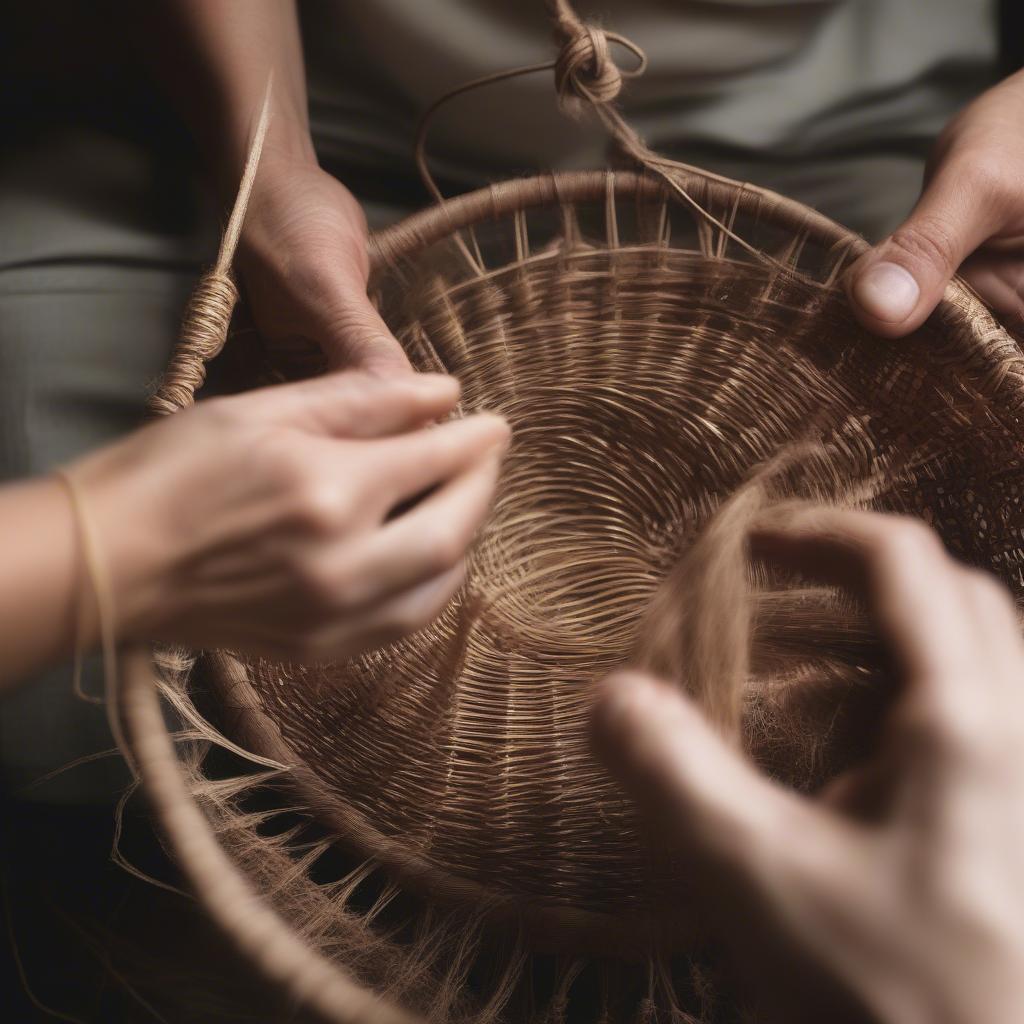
895 286
686 778
356 337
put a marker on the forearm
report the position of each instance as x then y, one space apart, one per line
48 598
215 57
40 579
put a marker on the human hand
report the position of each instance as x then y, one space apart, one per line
970 218
278 522
303 265
897 894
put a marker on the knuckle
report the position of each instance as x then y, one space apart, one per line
905 540
281 466
356 397
319 507
987 591
444 544
929 240
986 177
366 393
332 588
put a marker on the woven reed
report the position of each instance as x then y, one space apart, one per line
643 383
652 338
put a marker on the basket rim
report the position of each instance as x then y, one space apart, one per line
960 310
491 202
257 731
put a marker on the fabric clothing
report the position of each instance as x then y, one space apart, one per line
833 102
98 253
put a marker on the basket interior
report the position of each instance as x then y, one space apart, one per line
646 363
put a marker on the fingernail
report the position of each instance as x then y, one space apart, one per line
431 380
887 292
496 425
435 386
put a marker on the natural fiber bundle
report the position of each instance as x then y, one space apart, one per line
653 339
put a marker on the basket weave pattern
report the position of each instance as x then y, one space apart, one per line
652 339
643 383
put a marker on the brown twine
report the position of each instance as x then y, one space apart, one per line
207 318
584 66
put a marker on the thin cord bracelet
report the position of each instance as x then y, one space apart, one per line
97 579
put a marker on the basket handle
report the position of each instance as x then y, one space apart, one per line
577 78
586 77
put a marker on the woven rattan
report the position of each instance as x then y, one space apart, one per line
643 383
652 338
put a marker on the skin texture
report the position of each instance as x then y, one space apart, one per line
896 895
302 258
970 218
303 264
307 521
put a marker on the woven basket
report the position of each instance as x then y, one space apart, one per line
651 337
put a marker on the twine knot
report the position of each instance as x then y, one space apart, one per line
585 69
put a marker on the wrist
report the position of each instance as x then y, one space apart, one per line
300 211
133 555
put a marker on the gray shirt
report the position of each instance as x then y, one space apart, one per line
835 102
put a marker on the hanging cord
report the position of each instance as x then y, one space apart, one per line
561 69
586 77
208 317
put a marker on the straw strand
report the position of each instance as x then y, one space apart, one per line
208 316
